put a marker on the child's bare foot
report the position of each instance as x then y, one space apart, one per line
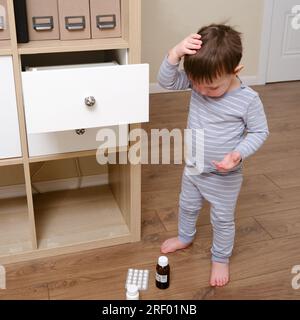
219 274
172 245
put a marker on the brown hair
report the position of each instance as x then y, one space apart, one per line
220 54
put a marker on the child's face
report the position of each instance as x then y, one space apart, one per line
217 88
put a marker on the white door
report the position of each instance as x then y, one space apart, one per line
284 52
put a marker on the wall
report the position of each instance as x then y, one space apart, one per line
166 22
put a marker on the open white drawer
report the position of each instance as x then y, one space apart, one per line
55 98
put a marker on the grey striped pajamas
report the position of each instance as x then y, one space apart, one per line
233 122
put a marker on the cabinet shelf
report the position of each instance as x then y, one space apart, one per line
10 162
52 46
71 217
14 226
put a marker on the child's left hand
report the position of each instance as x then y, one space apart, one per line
231 160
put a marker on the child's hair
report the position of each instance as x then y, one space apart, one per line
220 54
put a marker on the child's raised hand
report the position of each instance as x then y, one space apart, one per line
189 45
231 160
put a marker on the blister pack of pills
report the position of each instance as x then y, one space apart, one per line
138 277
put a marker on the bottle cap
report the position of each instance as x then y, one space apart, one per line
163 261
132 289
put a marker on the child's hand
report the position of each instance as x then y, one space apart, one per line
189 45
231 160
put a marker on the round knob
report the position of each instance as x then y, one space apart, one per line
90 101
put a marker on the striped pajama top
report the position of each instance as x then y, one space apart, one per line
236 121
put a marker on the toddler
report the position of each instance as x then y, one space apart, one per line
233 120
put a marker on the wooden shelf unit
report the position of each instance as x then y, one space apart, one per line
60 222
52 46
5 47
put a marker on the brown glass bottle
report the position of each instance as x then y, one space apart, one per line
162 273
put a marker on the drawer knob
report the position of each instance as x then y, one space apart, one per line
90 101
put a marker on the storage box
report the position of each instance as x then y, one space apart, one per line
42 16
74 19
4 28
105 18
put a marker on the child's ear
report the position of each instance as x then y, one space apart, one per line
238 69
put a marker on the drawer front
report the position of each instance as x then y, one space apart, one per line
4 28
74 19
105 18
10 146
55 100
42 16
70 141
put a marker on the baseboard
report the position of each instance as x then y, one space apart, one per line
154 87
54 185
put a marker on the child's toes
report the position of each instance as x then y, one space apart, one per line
223 281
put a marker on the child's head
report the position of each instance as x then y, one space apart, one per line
213 68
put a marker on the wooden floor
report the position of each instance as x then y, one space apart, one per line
267 217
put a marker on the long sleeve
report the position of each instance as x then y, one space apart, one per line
169 77
256 129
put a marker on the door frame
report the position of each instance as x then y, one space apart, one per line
265 41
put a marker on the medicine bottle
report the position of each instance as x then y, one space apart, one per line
132 292
162 273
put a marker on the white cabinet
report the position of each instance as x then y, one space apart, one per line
55 98
10 146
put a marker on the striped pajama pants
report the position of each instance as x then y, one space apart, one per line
221 191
